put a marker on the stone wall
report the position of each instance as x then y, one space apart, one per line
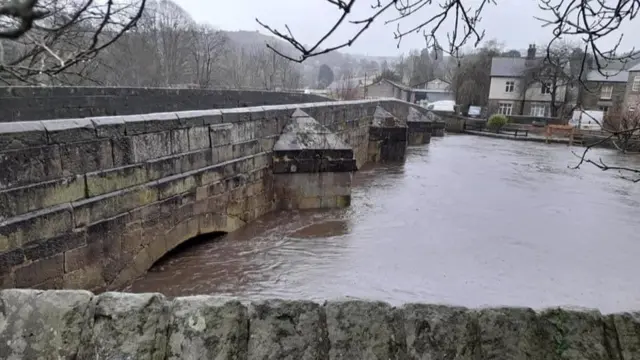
80 325
40 103
92 203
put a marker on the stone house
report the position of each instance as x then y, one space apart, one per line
604 90
506 95
434 90
632 91
384 88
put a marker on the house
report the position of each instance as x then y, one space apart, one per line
349 88
387 88
434 90
604 90
509 95
632 91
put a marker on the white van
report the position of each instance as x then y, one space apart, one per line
443 105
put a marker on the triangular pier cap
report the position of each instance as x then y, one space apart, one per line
416 116
383 118
303 132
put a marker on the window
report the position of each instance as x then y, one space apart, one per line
538 110
604 109
510 86
545 89
606 92
636 83
505 108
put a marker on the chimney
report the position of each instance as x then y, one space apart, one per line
531 52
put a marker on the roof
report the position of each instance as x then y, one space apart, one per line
508 66
636 67
610 75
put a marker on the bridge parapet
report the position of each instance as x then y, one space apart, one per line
80 325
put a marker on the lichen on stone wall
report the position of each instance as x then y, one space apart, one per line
79 325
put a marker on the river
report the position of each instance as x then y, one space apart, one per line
466 220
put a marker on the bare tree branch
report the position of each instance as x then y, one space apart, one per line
50 38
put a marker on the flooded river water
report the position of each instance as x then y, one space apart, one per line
465 220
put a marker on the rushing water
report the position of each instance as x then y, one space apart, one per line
465 220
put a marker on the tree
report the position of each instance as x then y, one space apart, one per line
208 49
554 75
388 74
325 76
423 69
589 20
347 88
43 42
470 79
512 53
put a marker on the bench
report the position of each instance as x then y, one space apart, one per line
513 130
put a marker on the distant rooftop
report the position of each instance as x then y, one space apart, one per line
608 75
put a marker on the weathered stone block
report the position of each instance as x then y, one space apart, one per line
576 335
179 141
199 138
38 225
89 277
109 126
20 135
220 134
40 271
188 119
151 123
122 151
365 330
202 327
24 199
80 158
9 259
45 248
106 181
69 130
176 184
108 205
44 324
626 331
151 146
513 333
83 257
246 148
28 166
440 332
287 330
128 326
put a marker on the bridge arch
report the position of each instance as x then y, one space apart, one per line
182 232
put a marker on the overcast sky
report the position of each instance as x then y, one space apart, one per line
510 22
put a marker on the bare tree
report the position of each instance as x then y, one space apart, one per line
553 74
347 88
625 127
589 20
42 40
208 49
470 80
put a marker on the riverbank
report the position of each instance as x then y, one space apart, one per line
77 324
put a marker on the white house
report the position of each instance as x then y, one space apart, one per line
505 92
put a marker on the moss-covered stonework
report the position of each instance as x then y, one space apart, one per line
79 325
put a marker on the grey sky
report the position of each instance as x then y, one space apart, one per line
510 22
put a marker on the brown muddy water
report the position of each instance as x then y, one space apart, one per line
466 220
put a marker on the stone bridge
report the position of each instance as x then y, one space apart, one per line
93 202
